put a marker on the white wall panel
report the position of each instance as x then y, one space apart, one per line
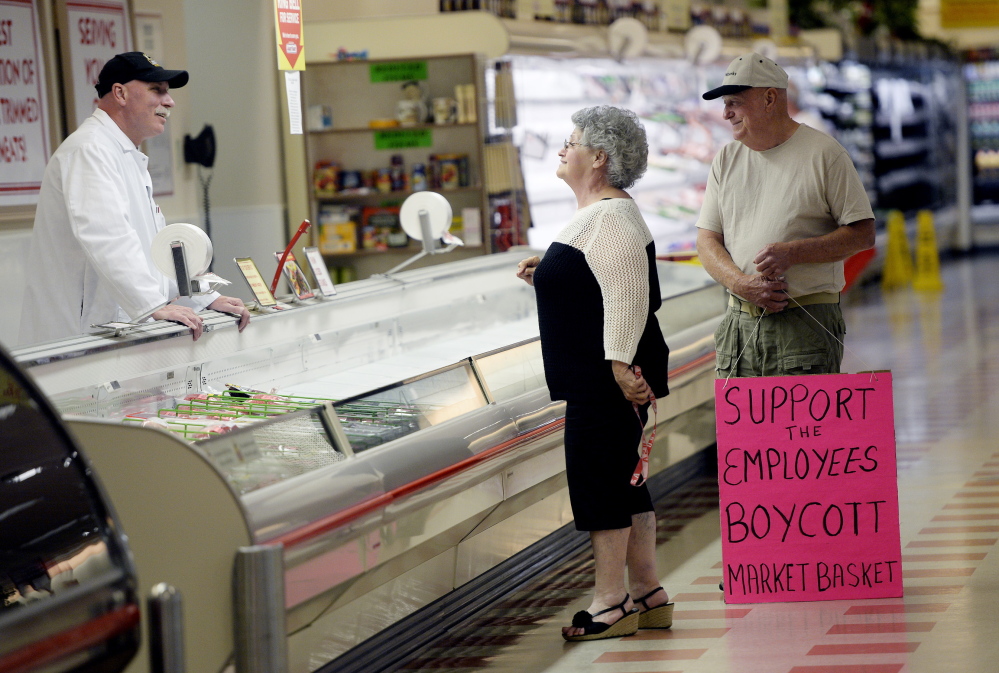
13 275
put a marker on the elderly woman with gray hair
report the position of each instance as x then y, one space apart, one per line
604 354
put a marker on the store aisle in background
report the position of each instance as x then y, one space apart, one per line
943 351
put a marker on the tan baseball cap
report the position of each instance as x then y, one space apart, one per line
746 72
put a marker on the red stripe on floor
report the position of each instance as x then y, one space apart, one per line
986 473
647 655
864 648
449 662
980 494
938 572
889 627
525 620
982 542
718 566
560 602
966 517
971 505
712 596
728 613
567 586
945 590
673 634
959 529
918 558
850 668
710 579
896 609
464 640
982 483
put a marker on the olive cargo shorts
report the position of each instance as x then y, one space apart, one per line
787 343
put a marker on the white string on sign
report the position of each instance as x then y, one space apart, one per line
736 363
874 376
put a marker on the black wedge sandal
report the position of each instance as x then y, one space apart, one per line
625 626
659 617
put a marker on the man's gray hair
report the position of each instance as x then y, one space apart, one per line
617 132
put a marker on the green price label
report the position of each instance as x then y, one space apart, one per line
399 71
400 140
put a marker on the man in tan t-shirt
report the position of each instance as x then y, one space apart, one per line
783 208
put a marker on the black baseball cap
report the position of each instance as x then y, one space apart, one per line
123 68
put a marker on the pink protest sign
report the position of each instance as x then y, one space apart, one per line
808 490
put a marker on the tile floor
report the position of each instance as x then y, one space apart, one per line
943 351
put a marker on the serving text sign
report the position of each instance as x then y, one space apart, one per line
808 489
96 30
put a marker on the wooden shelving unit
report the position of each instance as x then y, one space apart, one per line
355 95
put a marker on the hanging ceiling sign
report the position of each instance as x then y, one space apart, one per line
95 30
290 41
969 14
24 132
808 494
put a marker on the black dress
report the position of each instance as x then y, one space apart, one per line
602 432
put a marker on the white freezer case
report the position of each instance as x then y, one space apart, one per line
426 450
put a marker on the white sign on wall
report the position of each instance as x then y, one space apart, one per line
24 134
149 40
97 30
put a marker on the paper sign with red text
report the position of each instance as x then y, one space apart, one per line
807 488
24 130
97 30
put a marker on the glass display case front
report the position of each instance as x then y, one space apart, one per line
512 371
256 439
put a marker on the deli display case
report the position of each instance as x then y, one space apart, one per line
389 445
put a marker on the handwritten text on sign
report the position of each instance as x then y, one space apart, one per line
808 491
24 141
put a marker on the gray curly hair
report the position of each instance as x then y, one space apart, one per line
617 132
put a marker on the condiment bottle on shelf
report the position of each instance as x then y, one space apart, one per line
400 181
384 182
418 178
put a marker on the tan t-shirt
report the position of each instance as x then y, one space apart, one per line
804 187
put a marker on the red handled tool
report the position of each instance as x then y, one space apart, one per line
302 228
642 468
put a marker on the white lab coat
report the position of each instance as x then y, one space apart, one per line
90 260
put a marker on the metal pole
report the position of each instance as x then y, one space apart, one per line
180 268
166 629
429 242
258 610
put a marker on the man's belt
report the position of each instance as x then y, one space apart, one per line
794 302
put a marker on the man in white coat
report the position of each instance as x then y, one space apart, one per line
90 257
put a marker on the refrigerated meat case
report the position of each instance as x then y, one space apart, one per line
915 134
413 446
981 75
684 133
